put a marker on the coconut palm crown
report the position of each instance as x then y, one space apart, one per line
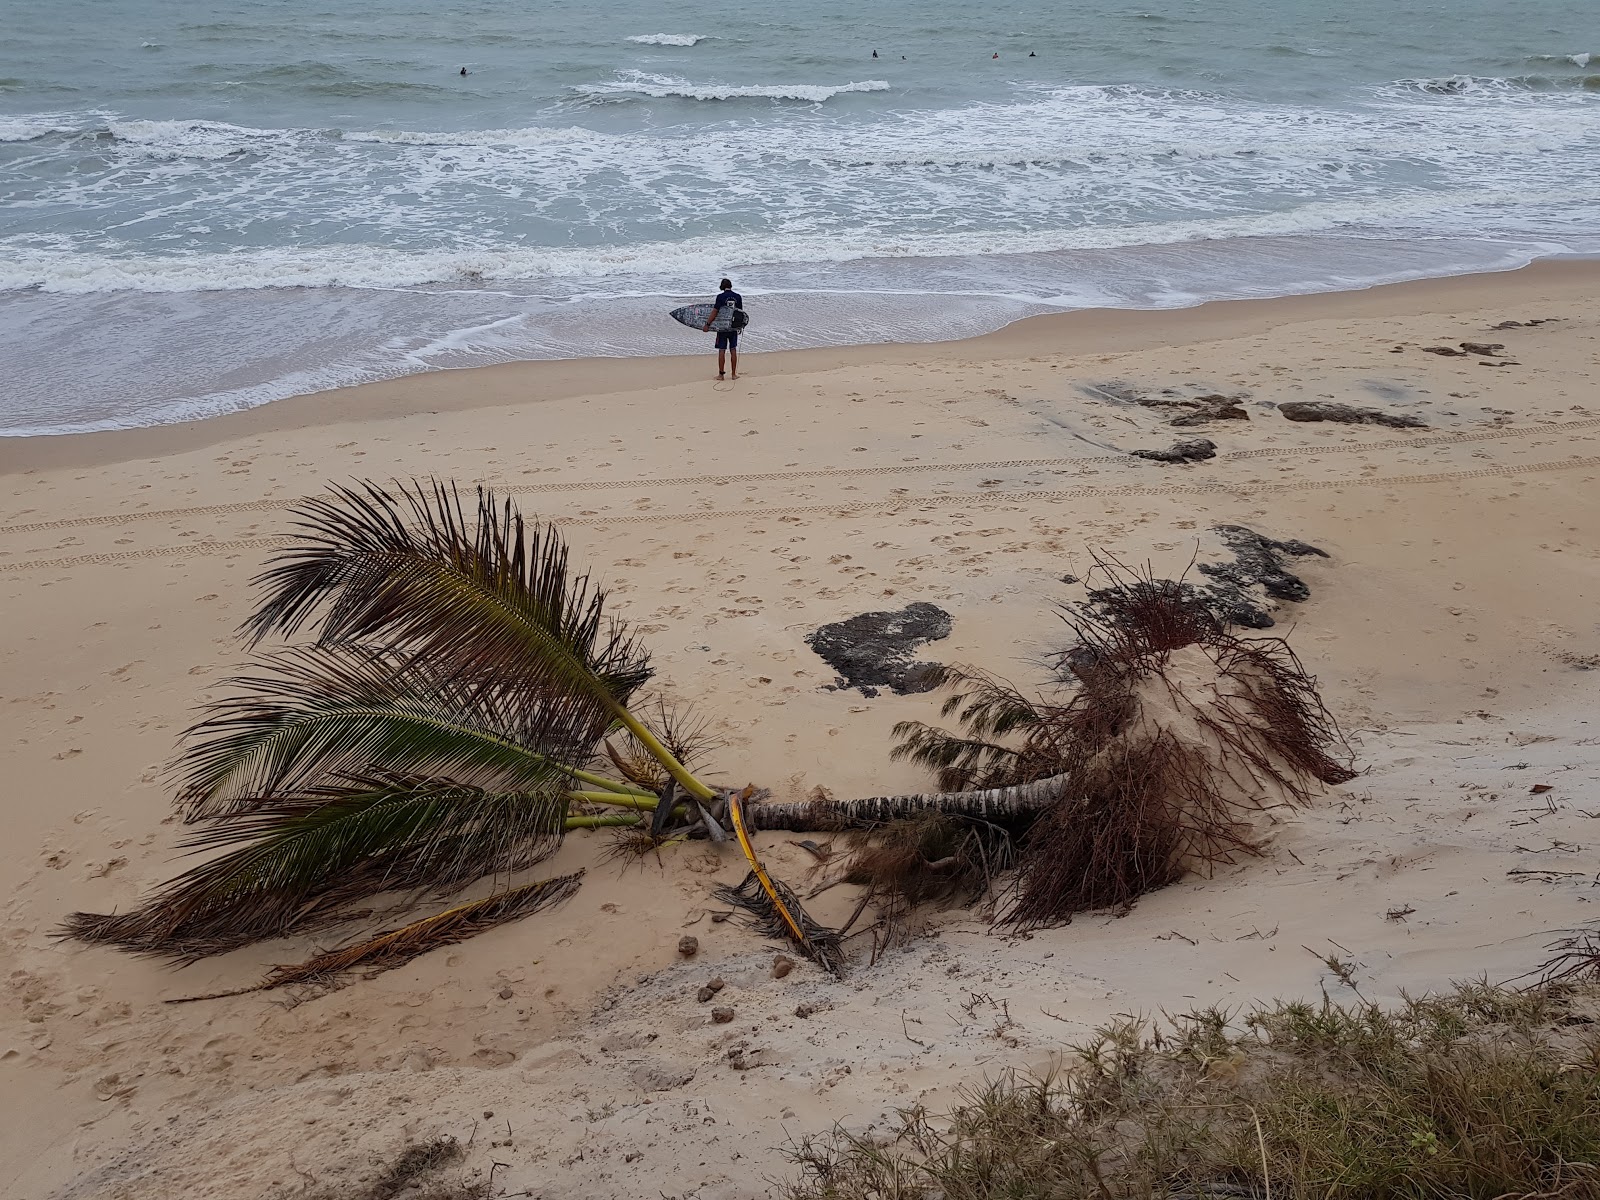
438 728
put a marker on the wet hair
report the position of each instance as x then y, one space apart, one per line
725 284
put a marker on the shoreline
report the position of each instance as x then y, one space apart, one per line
1082 331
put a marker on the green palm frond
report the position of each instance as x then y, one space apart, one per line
987 709
296 861
306 716
483 596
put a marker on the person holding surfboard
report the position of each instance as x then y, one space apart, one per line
728 338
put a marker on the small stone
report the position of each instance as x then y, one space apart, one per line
705 994
716 985
506 993
781 966
688 946
722 1015
804 1010
488 1114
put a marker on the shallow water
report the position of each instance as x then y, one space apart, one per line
202 212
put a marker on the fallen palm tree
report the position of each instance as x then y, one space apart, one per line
465 701
1163 746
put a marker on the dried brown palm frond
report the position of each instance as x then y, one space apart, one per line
773 910
396 947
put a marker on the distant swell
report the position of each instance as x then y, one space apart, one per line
640 83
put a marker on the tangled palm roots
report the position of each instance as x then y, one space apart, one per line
934 858
1177 739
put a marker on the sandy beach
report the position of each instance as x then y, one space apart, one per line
1452 626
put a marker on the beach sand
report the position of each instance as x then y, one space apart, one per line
1453 626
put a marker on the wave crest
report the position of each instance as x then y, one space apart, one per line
641 83
669 39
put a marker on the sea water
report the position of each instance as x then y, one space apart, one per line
208 207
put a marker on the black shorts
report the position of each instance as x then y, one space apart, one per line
728 341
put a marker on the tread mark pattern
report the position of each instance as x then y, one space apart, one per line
850 510
585 485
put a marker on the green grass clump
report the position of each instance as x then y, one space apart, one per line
1481 1094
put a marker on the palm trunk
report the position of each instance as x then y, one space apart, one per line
990 804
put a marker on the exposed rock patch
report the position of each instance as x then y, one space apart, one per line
1197 410
1348 414
873 650
1211 408
1196 450
1258 561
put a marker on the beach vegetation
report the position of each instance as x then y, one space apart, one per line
1482 1093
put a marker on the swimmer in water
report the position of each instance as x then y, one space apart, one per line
463 70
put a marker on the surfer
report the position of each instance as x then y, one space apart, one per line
727 339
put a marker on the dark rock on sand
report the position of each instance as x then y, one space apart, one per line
1211 408
1318 410
873 650
1258 561
1197 450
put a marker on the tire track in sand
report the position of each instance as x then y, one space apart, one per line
512 487
979 499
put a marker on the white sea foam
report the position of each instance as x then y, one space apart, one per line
381 267
668 39
198 139
642 83
530 137
29 126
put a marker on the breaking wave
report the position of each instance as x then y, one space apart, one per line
669 39
641 83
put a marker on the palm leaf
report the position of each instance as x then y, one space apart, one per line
484 597
396 947
308 716
300 860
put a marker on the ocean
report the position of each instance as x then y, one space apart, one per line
205 208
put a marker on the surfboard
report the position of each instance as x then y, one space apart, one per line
695 316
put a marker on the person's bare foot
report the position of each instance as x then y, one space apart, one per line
735 375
